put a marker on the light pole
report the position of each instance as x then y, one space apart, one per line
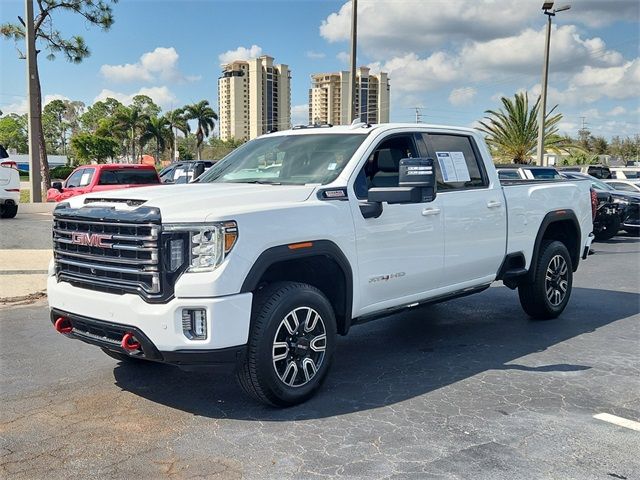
549 11
354 35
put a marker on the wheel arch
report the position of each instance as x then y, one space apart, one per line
561 225
320 263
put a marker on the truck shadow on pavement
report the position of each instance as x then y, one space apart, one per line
404 356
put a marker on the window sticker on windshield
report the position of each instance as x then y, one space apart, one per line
453 167
86 177
332 166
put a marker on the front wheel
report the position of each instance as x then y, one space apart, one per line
609 229
291 344
8 211
547 294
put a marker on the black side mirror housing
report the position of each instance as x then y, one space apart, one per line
416 183
57 186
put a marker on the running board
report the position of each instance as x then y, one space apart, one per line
429 301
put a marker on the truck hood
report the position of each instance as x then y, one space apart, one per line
198 202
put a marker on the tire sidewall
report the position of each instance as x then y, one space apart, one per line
303 296
553 249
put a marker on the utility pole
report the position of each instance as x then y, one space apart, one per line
35 176
418 114
546 8
354 35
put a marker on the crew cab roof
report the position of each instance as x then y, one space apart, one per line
365 129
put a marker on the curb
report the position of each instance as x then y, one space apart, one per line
36 207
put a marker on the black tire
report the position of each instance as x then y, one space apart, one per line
534 296
610 229
8 211
258 373
124 357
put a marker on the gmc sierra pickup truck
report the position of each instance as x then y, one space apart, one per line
299 235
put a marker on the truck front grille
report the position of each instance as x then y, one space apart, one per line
108 255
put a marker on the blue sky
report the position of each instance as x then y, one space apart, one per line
451 58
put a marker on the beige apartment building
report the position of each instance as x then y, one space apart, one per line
329 97
254 97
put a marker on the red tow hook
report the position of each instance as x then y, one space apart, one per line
63 325
129 343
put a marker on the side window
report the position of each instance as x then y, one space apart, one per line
85 178
74 180
383 165
457 166
108 177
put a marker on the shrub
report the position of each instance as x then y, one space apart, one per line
61 172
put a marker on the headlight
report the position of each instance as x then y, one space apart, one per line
208 244
620 201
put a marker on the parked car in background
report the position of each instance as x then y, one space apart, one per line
184 172
526 172
9 185
625 185
625 173
99 178
617 209
597 171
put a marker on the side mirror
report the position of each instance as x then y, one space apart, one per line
416 183
57 186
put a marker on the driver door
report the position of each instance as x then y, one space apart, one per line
400 253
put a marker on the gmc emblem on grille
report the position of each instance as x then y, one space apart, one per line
91 239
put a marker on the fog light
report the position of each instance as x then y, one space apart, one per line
194 323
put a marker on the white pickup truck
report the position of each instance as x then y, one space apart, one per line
297 236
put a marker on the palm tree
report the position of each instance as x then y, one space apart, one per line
205 116
132 121
178 122
158 129
512 132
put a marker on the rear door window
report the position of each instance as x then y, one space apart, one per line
458 166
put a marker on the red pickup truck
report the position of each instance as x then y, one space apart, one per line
98 178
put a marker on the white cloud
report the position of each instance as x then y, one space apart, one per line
300 114
55 96
160 95
19 107
462 96
411 73
240 53
393 27
599 13
619 110
160 64
315 55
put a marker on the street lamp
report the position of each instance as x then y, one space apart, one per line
549 11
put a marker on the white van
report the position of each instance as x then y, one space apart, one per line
9 186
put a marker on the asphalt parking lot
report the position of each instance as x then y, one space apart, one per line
465 389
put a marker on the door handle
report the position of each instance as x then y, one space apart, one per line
494 204
430 211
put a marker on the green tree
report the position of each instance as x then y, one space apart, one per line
599 145
512 132
47 37
13 132
205 117
146 105
178 123
90 120
55 126
132 121
88 146
157 129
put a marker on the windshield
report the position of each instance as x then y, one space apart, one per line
291 160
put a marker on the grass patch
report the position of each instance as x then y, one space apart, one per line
25 196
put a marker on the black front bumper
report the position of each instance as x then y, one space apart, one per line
109 335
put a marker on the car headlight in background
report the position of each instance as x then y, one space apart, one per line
204 245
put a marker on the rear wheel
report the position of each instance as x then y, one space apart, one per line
547 295
610 228
291 344
8 211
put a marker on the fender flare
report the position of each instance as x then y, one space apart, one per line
549 219
312 248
